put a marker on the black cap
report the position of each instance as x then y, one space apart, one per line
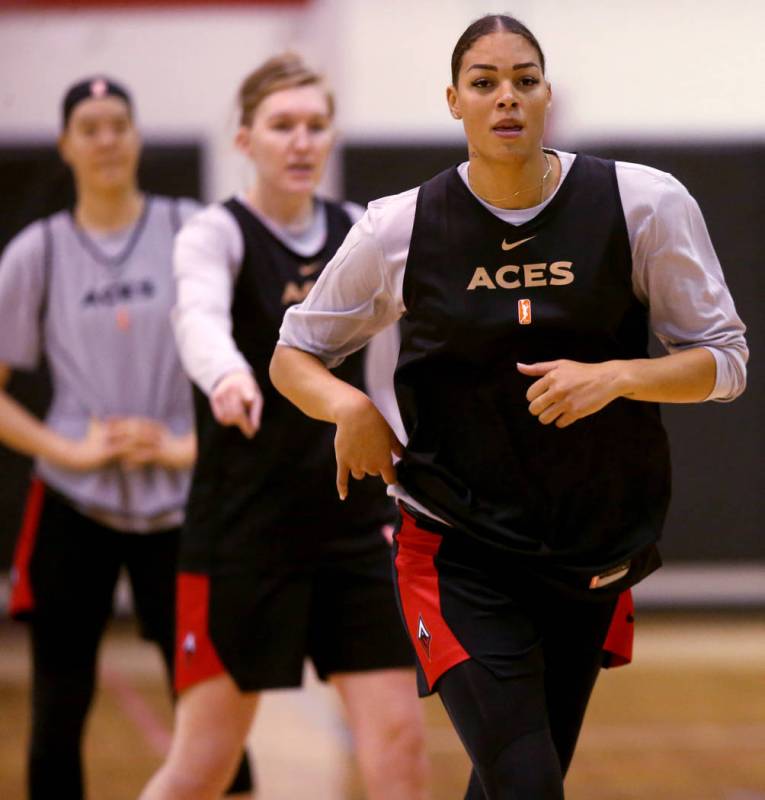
92 87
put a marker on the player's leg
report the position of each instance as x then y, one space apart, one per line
474 790
212 720
356 638
388 729
502 722
550 705
521 730
574 634
73 572
464 606
151 562
237 634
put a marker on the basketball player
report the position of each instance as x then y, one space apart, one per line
534 472
91 289
274 567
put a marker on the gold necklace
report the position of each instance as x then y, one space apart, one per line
546 175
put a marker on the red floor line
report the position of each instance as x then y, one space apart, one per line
154 731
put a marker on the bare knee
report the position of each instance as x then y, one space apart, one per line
389 731
393 744
212 720
402 730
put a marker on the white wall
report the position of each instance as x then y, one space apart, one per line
656 68
183 68
620 69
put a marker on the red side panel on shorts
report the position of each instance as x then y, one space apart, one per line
195 656
618 646
436 646
22 598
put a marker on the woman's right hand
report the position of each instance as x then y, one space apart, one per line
97 448
236 400
364 443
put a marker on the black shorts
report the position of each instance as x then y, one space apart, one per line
66 566
338 609
462 599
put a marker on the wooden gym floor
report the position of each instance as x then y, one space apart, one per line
685 722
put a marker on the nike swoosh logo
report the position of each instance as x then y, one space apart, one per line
506 246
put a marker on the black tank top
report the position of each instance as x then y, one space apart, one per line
272 498
482 295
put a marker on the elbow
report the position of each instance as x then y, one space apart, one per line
738 371
731 373
738 383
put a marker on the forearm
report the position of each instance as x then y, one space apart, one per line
364 442
305 381
206 264
181 453
21 431
206 347
687 376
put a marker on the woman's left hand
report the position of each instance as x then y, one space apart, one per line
569 390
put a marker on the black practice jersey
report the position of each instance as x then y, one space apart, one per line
482 295
273 498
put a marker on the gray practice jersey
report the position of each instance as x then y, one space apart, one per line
98 307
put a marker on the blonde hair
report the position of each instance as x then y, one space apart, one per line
284 71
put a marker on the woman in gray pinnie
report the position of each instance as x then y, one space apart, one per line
91 289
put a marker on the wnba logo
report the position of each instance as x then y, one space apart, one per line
524 312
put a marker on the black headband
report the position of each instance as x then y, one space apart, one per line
93 87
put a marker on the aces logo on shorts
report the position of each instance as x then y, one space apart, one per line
423 636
